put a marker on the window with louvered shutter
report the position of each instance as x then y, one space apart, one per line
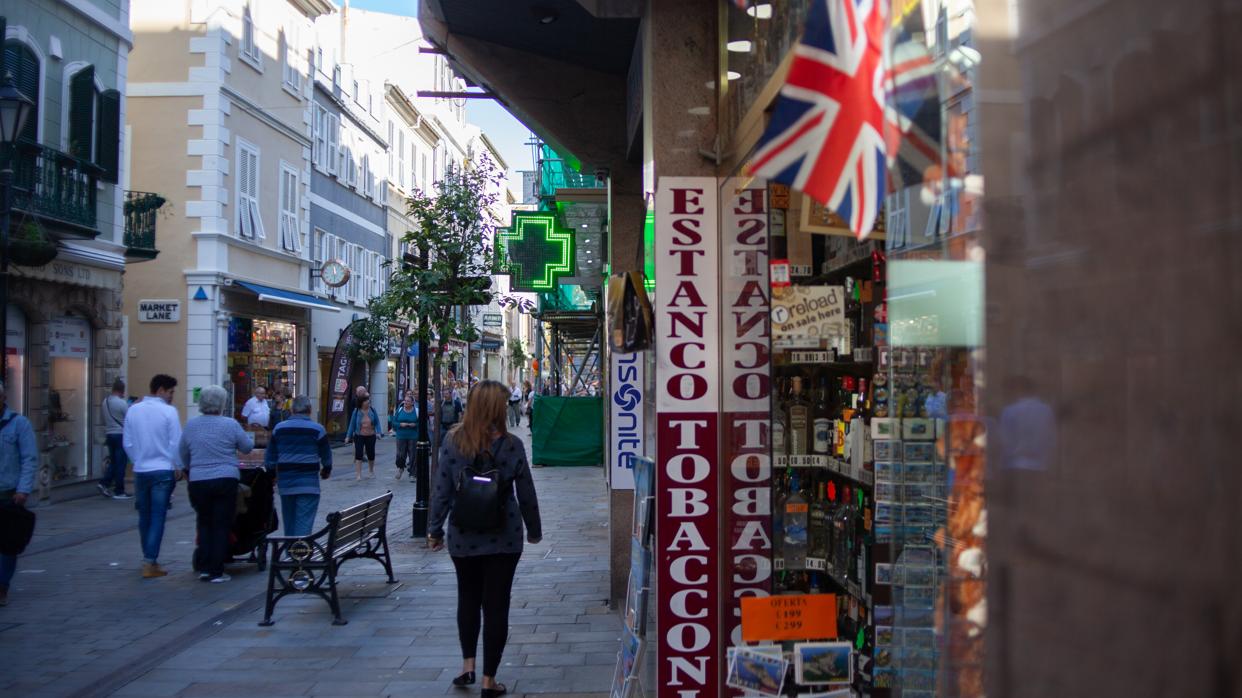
108 137
290 228
82 114
249 222
24 65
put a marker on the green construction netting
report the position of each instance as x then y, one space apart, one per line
567 431
558 172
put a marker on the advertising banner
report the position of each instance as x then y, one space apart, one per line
625 423
687 431
338 382
746 370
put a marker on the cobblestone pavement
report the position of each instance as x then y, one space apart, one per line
81 622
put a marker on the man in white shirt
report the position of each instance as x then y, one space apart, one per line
152 433
113 410
256 411
515 404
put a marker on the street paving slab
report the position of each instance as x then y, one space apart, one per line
81 621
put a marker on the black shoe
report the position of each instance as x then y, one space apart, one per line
465 679
500 690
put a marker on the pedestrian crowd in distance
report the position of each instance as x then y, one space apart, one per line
483 508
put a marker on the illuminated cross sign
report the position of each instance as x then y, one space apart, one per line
537 250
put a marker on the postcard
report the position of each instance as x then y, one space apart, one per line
756 671
823 662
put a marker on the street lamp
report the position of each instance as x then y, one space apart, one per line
15 108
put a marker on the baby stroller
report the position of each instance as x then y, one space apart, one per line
256 513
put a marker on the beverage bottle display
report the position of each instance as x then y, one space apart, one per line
778 518
798 419
821 526
821 424
795 525
842 538
779 431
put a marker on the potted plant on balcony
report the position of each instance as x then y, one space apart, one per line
29 245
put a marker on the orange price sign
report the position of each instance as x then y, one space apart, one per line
797 617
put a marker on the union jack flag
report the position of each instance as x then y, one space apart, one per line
826 136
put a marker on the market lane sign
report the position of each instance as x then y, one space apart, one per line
156 310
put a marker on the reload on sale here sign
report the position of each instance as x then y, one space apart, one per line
808 311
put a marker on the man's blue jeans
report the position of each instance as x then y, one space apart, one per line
298 511
151 494
8 565
114 476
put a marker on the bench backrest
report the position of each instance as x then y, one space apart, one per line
353 525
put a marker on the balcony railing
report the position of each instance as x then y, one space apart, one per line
56 187
140 211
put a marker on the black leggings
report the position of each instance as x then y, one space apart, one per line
215 503
364 448
484 582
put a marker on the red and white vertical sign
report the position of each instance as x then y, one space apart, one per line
687 436
746 371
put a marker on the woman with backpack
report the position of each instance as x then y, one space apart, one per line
481 466
364 429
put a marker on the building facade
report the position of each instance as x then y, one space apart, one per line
70 245
348 209
222 105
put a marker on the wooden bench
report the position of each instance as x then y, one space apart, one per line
309 564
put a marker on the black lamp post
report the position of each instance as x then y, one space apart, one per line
422 448
15 108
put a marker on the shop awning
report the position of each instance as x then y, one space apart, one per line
277 295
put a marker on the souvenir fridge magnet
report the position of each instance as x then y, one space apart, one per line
823 663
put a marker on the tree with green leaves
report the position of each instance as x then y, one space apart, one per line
452 257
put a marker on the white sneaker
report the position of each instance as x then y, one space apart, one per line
221 579
204 577
103 490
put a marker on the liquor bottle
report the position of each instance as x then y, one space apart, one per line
778 519
795 525
842 538
821 424
779 427
798 419
821 526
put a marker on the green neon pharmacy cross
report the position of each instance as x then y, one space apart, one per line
539 251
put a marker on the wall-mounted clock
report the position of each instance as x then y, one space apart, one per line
334 273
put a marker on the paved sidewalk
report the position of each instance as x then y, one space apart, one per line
81 622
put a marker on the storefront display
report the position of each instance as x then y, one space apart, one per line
15 353
262 353
69 415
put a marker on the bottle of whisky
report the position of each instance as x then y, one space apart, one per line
779 427
821 526
797 419
821 424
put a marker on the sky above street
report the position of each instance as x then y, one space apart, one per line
505 132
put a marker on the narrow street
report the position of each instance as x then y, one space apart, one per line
81 622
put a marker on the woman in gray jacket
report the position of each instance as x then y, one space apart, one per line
485 561
209 447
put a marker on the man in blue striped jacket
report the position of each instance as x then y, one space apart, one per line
298 450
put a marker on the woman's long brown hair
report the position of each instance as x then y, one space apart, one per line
486 406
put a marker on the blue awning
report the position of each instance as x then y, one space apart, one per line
277 295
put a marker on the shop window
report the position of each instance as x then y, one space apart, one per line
21 61
262 353
290 227
15 351
69 400
249 222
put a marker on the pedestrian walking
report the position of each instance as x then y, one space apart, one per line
113 409
256 412
450 411
364 428
152 436
18 458
485 559
404 425
209 446
515 404
298 450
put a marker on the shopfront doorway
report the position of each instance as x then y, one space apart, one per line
262 353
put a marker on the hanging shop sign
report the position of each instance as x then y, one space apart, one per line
746 371
805 315
537 251
493 320
625 423
166 310
687 425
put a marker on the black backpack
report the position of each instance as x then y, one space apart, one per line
479 504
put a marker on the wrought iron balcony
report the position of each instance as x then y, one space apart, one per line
55 186
140 210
